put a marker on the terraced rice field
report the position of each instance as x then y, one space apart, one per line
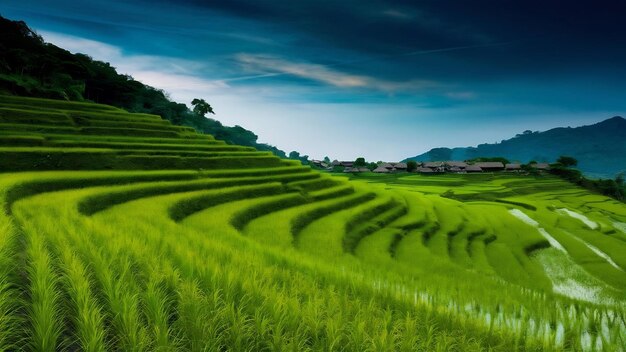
122 232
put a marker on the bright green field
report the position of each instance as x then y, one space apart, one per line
140 235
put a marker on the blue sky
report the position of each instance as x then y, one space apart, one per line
380 79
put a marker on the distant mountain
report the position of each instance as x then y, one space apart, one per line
600 148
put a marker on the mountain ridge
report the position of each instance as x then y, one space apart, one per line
600 148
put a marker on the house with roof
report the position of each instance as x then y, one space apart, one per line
473 168
455 164
456 170
435 166
382 169
400 166
490 165
513 167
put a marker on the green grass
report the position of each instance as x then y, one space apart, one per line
176 241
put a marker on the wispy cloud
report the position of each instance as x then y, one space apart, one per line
176 76
270 66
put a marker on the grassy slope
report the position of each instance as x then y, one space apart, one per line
140 245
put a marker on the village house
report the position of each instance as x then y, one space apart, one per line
382 169
435 166
400 166
455 164
320 163
513 167
473 168
490 165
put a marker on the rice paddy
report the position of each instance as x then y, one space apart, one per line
143 236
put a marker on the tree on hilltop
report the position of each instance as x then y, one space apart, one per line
201 107
359 162
567 161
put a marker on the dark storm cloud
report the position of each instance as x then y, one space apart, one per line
548 32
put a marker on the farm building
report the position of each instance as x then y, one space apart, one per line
457 164
473 168
400 166
424 170
513 167
433 164
381 169
490 166
456 169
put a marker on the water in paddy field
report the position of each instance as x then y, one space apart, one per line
570 280
591 224
525 218
620 226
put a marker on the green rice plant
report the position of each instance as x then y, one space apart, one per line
17 128
85 311
197 203
9 320
138 145
435 263
55 104
157 309
369 221
110 197
304 219
199 139
128 131
130 123
21 140
44 315
19 116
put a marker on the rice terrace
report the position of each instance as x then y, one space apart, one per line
261 253
131 222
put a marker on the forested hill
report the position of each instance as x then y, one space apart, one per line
31 67
600 148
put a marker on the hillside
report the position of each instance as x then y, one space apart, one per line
600 148
31 67
124 232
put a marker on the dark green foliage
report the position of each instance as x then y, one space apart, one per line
611 188
411 165
31 67
567 161
201 107
304 159
360 162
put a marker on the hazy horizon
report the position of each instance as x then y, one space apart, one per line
376 79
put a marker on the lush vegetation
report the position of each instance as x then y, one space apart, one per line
599 148
123 232
564 168
31 67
